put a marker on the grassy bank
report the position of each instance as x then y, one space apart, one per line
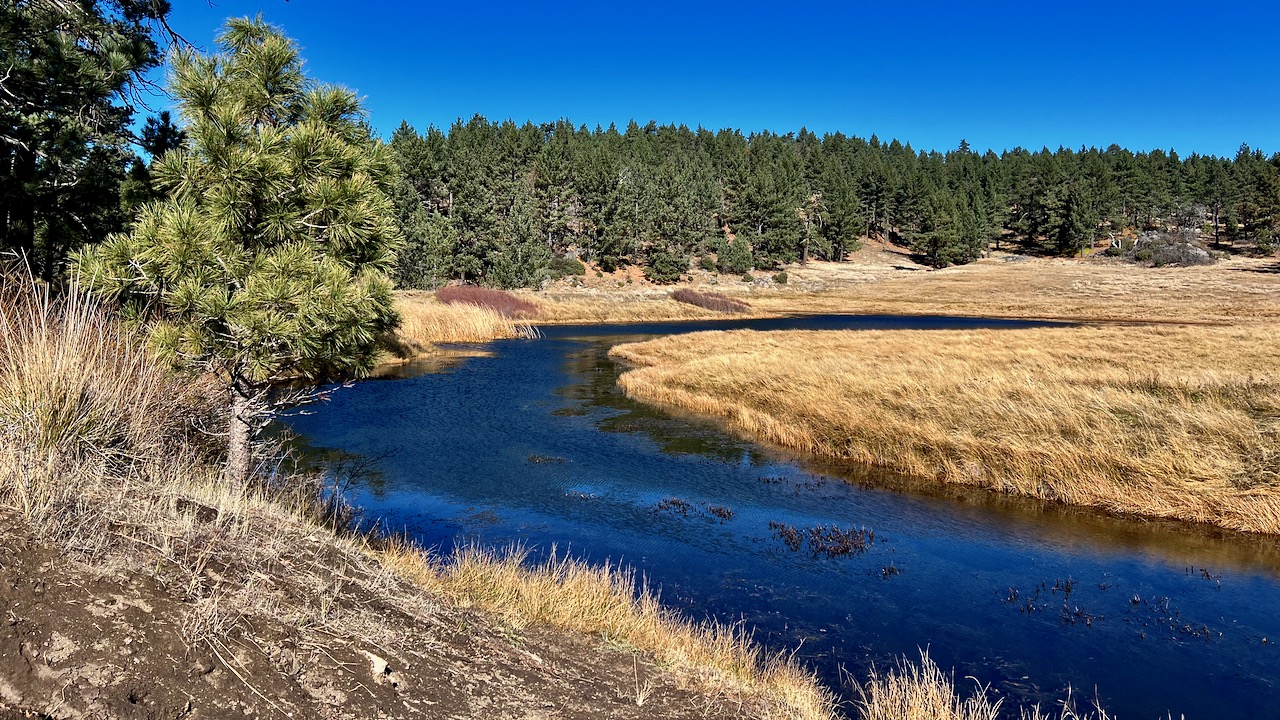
1169 421
101 457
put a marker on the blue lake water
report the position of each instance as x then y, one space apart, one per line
532 442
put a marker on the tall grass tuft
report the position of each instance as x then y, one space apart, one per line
606 600
80 399
922 691
710 300
500 301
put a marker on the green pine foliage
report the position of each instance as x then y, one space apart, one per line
70 72
267 258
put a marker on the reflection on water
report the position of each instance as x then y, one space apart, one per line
534 443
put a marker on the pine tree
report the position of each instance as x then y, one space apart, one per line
68 72
266 260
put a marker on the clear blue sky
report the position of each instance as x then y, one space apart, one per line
1200 77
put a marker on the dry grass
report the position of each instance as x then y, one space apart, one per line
710 300
922 691
500 301
1167 421
567 594
1233 290
425 321
619 306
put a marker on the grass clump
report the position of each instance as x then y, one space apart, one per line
922 691
568 594
1172 422
499 301
710 300
425 321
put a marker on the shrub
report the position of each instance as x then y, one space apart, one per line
608 263
706 262
562 266
500 301
780 278
665 267
748 277
1160 249
733 257
710 301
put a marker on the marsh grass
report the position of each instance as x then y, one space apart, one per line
425 321
922 691
1169 421
718 302
499 301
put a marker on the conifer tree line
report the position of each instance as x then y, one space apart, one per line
513 205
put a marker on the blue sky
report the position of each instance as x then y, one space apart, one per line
1196 77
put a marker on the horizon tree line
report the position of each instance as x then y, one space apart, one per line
514 205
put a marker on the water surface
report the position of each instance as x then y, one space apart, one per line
532 442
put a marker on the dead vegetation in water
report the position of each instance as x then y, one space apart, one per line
1171 421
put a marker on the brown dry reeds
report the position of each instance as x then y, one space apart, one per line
605 600
499 301
424 322
718 302
1169 421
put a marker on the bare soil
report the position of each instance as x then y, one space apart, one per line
120 636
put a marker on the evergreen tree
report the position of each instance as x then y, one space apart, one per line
69 70
266 260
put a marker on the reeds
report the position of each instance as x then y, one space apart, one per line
718 302
425 321
499 301
1172 422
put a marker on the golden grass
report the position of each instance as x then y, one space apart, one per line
613 307
1230 291
1168 421
922 691
605 600
425 321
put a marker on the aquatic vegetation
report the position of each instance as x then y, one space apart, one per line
828 541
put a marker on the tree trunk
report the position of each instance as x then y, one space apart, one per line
22 214
239 437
